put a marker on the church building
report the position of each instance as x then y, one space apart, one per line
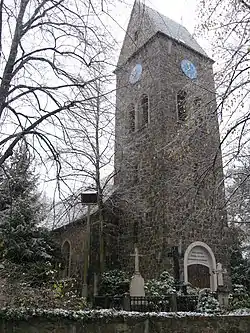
168 196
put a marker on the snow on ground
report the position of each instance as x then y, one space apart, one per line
19 313
239 312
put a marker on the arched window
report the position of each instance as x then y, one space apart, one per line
145 110
182 105
66 253
131 117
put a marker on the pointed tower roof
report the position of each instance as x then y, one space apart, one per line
146 22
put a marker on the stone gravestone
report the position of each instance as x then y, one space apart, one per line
137 281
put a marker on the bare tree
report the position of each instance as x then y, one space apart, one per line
226 24
86 152
49 50
238 194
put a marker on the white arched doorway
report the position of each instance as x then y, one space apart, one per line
200 266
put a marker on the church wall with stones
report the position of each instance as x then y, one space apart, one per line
76 235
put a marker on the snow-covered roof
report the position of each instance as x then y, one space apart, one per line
173 29
145 23
71 209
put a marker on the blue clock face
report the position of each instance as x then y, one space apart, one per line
189 69
135 74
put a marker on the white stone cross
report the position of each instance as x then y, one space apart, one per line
137 282
136 255
220 272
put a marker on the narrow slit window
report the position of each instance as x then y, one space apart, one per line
182 105
145 109
131 118
197 108
136 35
195 172
136 174
148 216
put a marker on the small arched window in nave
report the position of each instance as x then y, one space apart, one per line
66 253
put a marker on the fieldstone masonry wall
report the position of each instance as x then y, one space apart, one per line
170 187
171 325
75 234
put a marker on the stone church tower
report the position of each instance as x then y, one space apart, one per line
167 153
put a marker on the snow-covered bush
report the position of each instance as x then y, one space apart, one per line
207 302
160 287
62 294
34 274
239 289
114 282
240 298
193 290
67 290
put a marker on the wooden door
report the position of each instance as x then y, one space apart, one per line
199 276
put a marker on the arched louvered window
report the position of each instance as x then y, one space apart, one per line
66 253
131 117
145 110
182 105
